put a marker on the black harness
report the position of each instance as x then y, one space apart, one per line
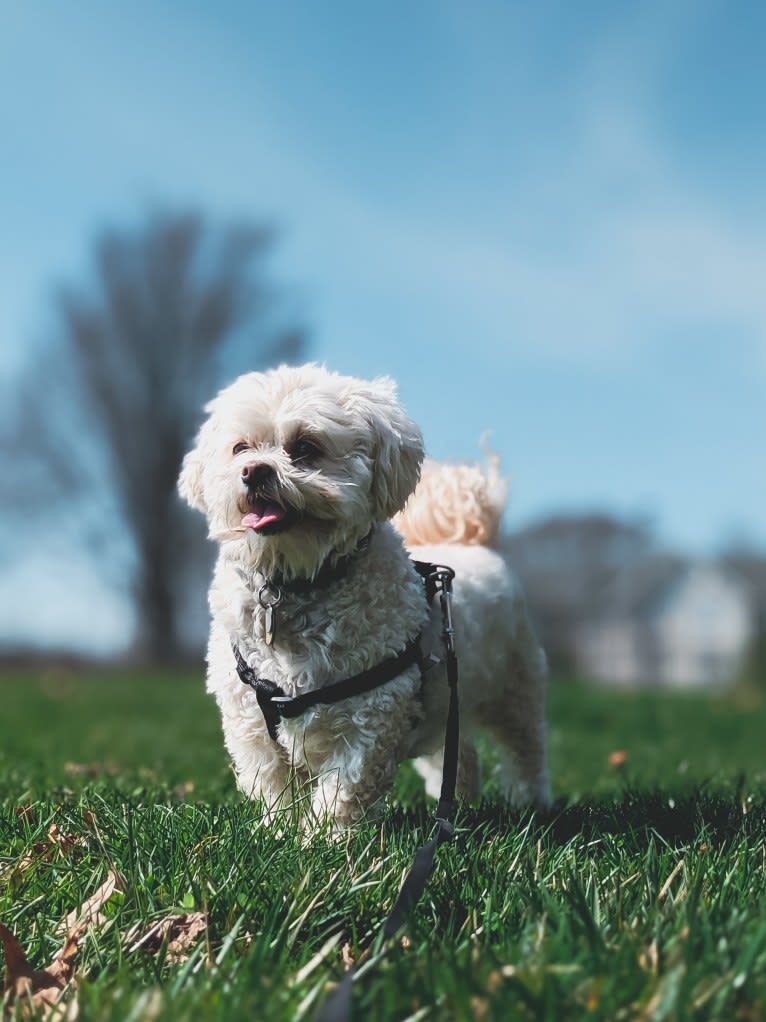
276 705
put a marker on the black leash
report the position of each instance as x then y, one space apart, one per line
337 1007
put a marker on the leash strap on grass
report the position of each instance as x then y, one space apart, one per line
337 1007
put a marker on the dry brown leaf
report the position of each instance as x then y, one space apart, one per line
494 981
91 769
37 853
669 882
178 932
186 935
593 1000
348 958
89 913
479 1008
43 851
39 988
42 988
63 841
649 959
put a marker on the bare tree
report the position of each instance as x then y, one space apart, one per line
174 305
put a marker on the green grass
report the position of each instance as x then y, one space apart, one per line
641 896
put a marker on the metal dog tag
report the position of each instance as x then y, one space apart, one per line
271 624
270 597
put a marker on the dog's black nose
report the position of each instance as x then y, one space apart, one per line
256 473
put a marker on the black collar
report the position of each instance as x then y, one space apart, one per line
329 572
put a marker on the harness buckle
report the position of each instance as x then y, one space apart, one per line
429 662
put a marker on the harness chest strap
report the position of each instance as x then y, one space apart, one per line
275 705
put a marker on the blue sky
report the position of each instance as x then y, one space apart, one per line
547 221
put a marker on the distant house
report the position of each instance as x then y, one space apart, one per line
668 621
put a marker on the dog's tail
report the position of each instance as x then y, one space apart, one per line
455 504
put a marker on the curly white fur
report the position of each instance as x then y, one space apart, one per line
454 504
336 458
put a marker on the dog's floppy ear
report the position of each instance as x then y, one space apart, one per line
397 452
191 479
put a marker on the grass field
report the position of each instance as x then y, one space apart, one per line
642 896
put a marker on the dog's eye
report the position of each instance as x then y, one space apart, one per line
238 448
304 450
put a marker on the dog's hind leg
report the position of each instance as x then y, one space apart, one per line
517 723
468 771
430 769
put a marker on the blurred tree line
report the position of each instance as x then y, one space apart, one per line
563 562
566 563
749 563
105 411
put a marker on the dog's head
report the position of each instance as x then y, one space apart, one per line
295 464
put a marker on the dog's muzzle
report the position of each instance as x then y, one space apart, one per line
267 514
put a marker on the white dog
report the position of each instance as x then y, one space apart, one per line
299 472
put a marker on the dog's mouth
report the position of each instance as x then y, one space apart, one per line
268 516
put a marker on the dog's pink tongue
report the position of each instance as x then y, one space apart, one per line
264 513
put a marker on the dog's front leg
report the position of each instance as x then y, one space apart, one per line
267 779
344 802
261 766
357 777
